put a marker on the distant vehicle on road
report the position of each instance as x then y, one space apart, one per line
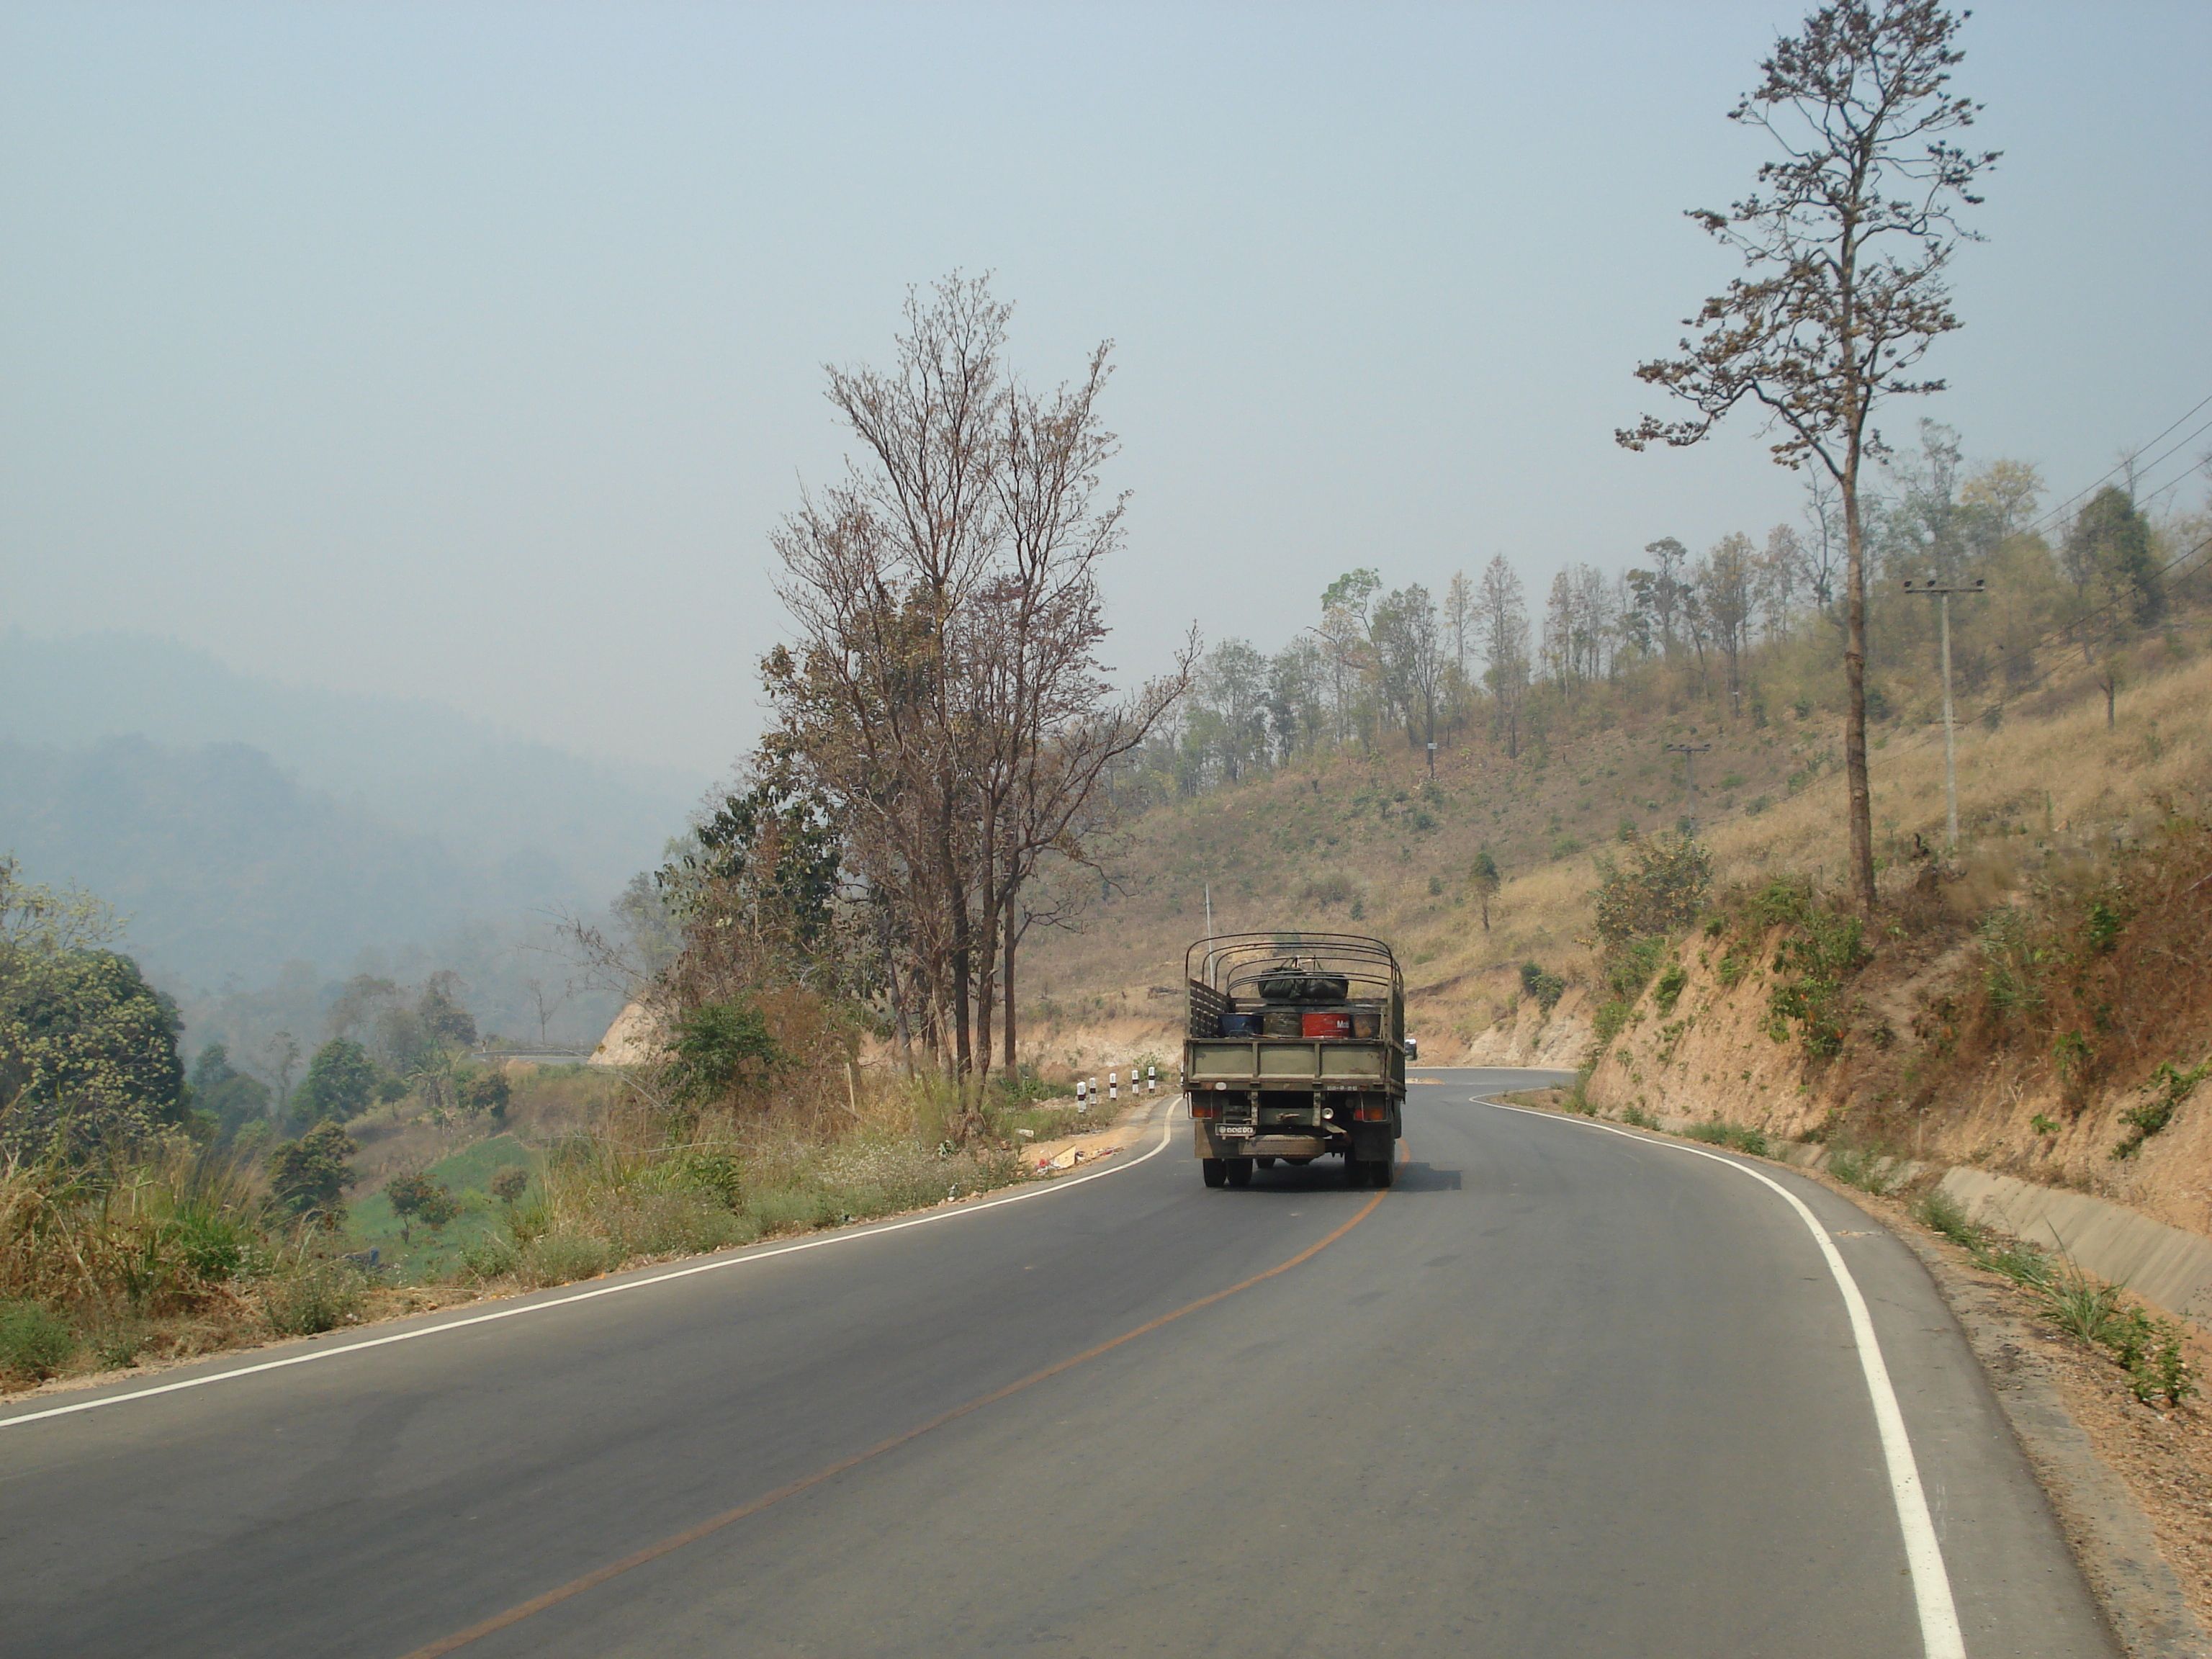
1294 1048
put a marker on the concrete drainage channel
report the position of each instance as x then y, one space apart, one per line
2111 1537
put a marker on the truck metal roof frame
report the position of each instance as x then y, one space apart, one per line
1229 962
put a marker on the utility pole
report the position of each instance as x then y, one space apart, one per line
1689 752
1432 761
1209 909
1943 591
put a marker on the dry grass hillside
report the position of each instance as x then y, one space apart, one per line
1370 845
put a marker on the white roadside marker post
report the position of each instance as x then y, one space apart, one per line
1079 1096
1114 1087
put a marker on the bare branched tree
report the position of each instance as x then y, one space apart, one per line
1847 239
944 698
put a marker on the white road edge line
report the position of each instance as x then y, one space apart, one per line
715 1265
1940 1638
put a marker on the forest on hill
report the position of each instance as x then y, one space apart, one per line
1735 634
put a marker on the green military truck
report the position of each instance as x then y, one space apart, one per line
1294 1048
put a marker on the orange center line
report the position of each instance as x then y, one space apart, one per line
669 1545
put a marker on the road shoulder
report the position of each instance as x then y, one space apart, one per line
2056 1404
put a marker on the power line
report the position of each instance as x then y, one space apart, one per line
2043 520
2049 638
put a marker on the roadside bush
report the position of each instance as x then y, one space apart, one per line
2170 1086
2155 1354
320 1297
2013 956
35 1342
1546 989
1659 893
675 1223
1736 1136
1862 1170
1940 1213
2023 1264
720 1049
1815 962
492 1257
306 1176
563 1258
1629 969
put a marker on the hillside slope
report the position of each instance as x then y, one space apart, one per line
1371 846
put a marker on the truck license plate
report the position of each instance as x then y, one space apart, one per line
1229 1131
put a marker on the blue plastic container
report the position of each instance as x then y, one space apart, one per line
1240 1025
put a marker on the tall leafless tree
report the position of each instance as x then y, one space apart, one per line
946 695
1502 629
1847 239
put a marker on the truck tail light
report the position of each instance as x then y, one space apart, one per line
1371 1111
1205 1106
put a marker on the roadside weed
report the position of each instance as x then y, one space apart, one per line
1940 1213
322 1297
1861 1169
34 1342
1737 1137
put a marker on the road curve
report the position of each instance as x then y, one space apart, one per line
1562 1391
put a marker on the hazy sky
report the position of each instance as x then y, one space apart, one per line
471 350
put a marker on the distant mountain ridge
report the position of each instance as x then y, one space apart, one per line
224 866
490 797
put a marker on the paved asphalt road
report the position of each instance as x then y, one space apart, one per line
1562 1392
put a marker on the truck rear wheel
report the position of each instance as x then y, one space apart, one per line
1265 1163
1215 1169
1240 1171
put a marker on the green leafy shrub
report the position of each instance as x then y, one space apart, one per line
719 1049
1546 987
2171 1086
1668 987
414 1197
488 1093
1815 959
2155 1355
675 1223
306 1176
1637 1118
787 1209
35 1342
1658 893
1334 888
1629 969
